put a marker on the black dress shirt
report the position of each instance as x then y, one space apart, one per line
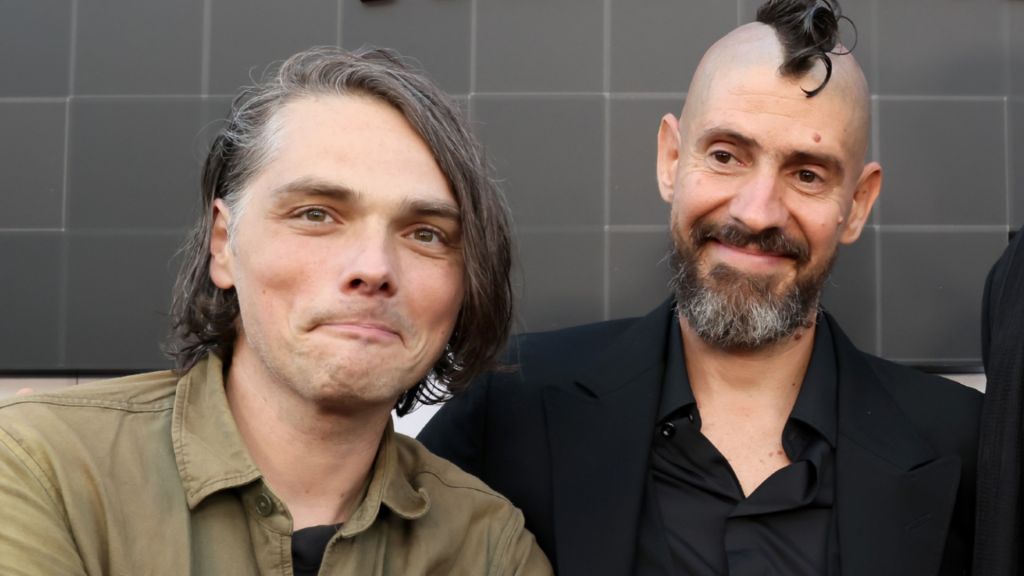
696 520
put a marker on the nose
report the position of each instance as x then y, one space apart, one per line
370 266
759 204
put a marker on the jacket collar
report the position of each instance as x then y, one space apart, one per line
894 493
600 431
211 455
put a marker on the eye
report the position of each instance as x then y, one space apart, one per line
314 214
427 236
807 177
722 157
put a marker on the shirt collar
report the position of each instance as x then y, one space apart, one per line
816 404
211 455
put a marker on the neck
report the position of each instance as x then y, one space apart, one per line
766 380
316 459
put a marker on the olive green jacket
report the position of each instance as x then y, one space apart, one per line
148 475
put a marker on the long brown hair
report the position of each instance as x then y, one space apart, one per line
204 317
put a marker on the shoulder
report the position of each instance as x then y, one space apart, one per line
473 528
444 481
946 412
538 358
153 391
71 423
914 388
576 341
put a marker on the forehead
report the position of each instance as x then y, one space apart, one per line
758 102
356 141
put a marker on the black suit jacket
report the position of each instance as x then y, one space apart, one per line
1000 477
566 436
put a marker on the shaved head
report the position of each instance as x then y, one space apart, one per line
753 53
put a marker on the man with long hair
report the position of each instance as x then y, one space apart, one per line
351 257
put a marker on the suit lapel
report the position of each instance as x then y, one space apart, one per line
600 435
894 493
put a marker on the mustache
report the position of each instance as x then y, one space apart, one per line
770 240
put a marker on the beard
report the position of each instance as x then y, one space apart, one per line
731 309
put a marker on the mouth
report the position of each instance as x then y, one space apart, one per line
746 257
364 330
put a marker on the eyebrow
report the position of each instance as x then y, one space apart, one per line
422 207
432 208
831 162
315 186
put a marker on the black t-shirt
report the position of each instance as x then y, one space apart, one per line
308 547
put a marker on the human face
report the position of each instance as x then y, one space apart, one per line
764 184
346 258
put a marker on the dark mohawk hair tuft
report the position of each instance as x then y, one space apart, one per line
808 30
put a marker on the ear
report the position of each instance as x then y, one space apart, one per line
220 247
864 195
668 156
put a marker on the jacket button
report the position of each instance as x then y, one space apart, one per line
264 505
668 430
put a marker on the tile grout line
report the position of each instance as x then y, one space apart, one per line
876 143
875 72
606 81
338 23
205 51
472 51
63 306
1007 115
63 273
72 64
1008 161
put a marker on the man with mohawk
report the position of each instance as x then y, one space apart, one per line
735 429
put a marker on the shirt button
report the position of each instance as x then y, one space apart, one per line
690 416
264 505
668 430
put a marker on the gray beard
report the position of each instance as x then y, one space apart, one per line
731 310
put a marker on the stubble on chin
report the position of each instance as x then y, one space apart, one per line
730 309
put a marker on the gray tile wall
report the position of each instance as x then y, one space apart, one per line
108 105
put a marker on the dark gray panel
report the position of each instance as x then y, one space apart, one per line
655 47
931 293
940 47
639 272
131 47
633 138
132 162
944 162
119 293
32 164
35 40
1016 128
434 32
248 35
549 153
866 35
559 280
31 296
850 293
539 46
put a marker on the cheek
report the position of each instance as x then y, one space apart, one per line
436 294
276 273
